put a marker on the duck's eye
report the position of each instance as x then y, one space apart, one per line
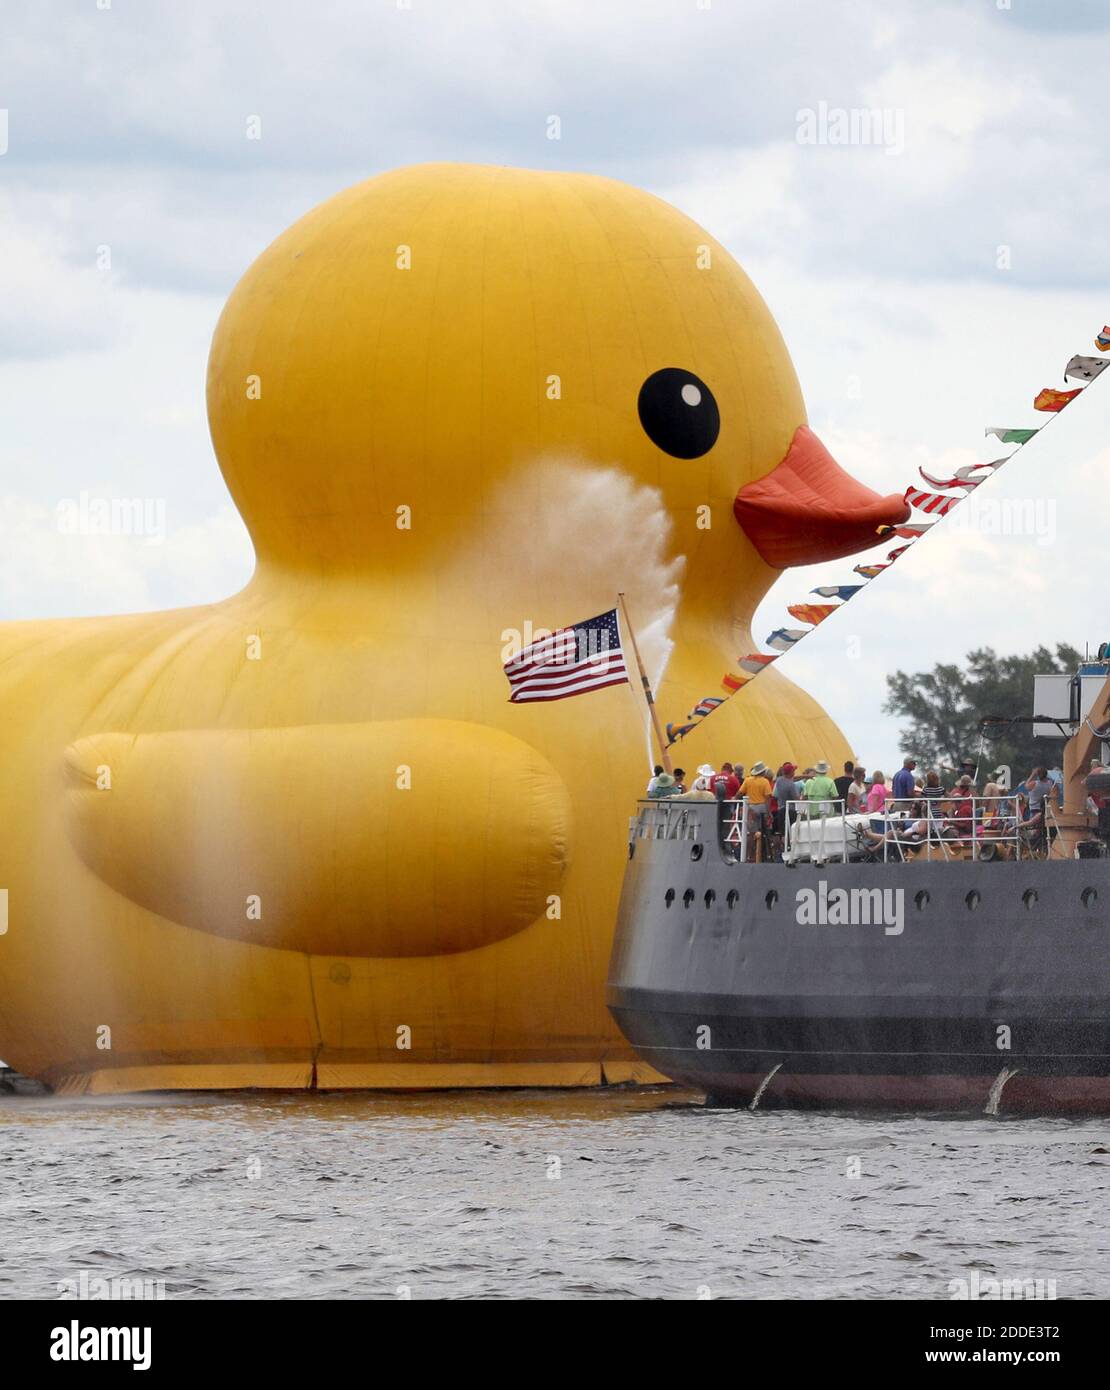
678 413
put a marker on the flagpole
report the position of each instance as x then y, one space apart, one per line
664 755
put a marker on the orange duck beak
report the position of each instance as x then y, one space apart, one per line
808 509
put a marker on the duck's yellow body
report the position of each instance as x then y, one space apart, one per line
301 836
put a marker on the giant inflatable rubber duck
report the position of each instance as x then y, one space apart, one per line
301 837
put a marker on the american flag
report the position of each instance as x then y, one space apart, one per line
571 661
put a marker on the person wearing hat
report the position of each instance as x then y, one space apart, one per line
820 790
756 790
967 769
662 786
756 786
702 790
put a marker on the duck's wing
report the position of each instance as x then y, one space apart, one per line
399 838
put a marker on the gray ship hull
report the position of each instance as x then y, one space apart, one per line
953 985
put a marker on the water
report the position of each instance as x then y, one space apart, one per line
590 1194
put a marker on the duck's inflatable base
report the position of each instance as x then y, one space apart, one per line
355 1076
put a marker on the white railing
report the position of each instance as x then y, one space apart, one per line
825 830
976 827
666 819
736 833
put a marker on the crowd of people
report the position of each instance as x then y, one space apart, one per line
956 802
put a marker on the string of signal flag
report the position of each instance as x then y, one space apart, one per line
940 497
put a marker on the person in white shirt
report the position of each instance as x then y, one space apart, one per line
857 791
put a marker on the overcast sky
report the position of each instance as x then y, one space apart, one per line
910 328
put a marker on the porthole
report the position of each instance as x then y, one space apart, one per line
668 897
973 899
733 897
710 897
771 899
1029 898
696 852
1089 897
688 898
921 899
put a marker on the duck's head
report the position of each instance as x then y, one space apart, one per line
425 338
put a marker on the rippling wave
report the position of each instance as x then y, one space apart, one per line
586 1194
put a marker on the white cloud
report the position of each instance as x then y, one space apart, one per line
48 304
128 129
46 571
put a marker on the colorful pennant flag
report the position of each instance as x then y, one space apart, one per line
840 591
1048 399
733 683
892 555
869 571
1102 341
909 531
677 731
812 613
783 638
706 706
755 662
964 477
1084 368
1005 436
931 502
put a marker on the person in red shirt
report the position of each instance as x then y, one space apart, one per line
961 795
1098 799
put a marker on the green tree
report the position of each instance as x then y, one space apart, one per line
942 708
